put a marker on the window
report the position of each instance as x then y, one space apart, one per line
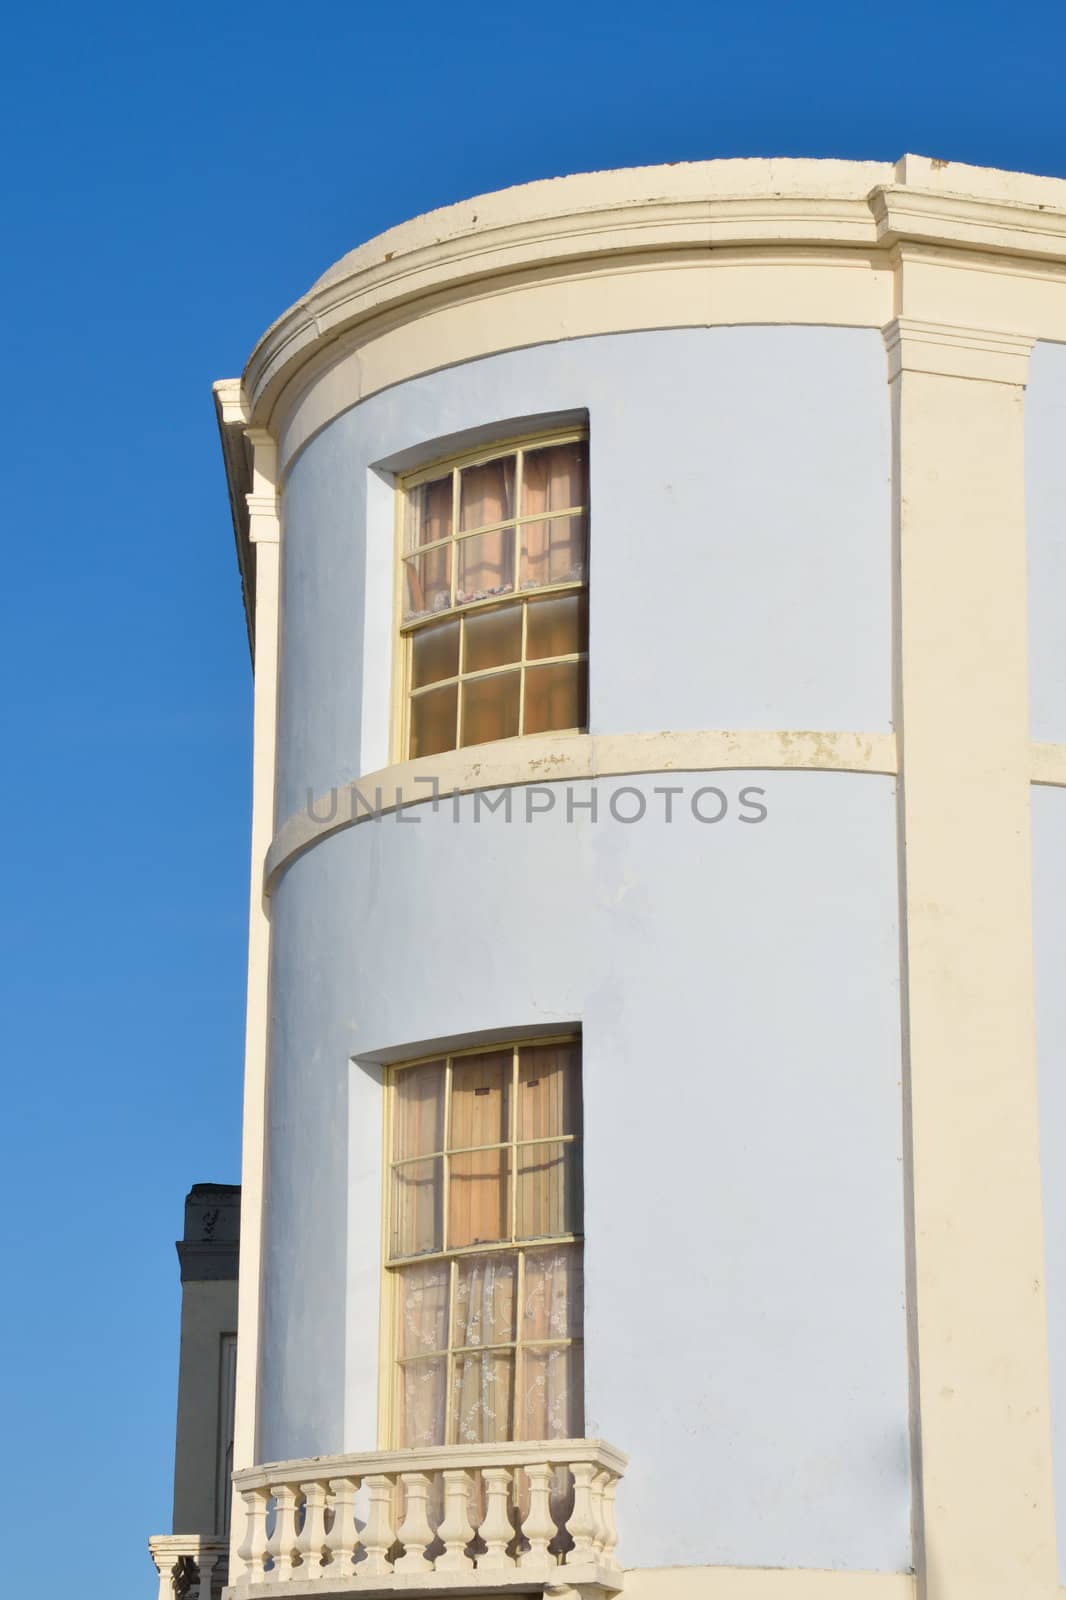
483 1246
494 583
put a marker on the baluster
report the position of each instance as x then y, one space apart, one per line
610 1538
379 1536
166 1565
253 1548
599 1483
282 1545
312 1541
538 1526
456 1530
582 1522
415 1533
205 1566
343 1536
496 1530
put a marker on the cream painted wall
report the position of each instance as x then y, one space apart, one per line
1049 942
1045 492
740 492
738 990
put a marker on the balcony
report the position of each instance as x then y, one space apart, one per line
491 1518
190 1566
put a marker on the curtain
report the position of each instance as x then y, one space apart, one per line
478 1200
423 1336
486 561
551 1405
483 1383
553 479
429 517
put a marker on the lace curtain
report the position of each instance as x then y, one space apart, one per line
486 1403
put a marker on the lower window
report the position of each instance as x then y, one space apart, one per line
484 1255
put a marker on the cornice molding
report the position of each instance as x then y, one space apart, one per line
489 238
954 352
372 290
902 213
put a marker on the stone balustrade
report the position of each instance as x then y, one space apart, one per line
502 1517
190 1566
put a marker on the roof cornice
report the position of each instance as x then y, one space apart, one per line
698 206
770 209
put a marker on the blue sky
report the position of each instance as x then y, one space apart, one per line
175 176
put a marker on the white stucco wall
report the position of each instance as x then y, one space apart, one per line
737 985
1049 930
1045 494
740 536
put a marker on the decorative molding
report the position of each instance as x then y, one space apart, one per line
554 758
954 352
264 526
974 223
761 206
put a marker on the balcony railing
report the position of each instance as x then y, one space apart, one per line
190 1566
464 1517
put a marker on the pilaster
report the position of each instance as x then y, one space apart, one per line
984 1509
264 530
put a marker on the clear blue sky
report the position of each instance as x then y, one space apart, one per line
175 176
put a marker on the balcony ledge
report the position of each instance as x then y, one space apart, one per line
491 1519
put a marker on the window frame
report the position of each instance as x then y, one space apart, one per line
404 631
390 1363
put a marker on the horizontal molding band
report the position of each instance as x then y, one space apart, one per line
705 206
555 758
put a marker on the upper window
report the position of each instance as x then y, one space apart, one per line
495 614
483 1246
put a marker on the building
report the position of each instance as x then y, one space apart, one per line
194 1555
655 580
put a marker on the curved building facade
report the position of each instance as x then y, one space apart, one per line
655 581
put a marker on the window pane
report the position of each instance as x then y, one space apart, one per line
484 1300
482 1398
429 512
419 1111
486 566
486 493
492 638
552 552
433 721
481 1100
555 478
553 1302
416 1208
424 1308
478 1198
435 653
490 708
555 697
549 1090
423 1384
557 627
548 1200
551 1402
429 582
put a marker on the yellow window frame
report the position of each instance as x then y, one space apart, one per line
390 1362
404 630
